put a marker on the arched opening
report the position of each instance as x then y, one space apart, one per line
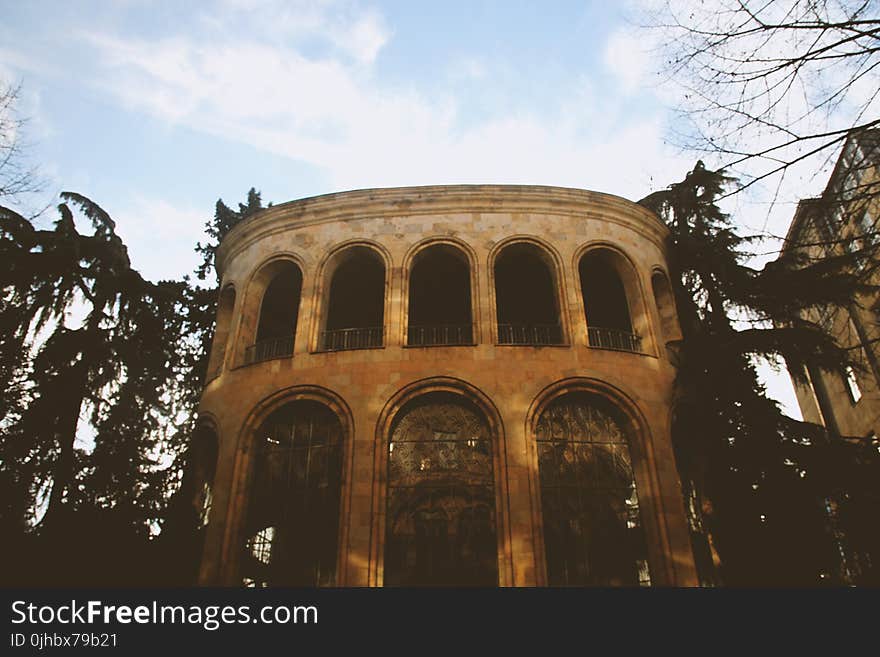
279 311
607 309
225 307
204 467
593 534
440 298
183 533
355 310
663 299
440 513
292 520
526 301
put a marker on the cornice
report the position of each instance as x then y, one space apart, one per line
383 203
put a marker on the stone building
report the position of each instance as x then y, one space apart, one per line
843 220
450 385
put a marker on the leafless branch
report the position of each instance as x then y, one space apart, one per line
17 178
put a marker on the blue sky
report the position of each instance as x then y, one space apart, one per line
156 109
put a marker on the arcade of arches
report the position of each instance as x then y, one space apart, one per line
441 515
440 302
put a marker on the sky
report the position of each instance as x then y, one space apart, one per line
155 110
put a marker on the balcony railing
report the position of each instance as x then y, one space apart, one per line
529 334
616 339
269 349
351 338
442 335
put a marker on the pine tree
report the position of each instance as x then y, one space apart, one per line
126 374
761 486
224 220
114 363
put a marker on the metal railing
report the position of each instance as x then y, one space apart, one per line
269 349
616 339
351 338
529 334
440 335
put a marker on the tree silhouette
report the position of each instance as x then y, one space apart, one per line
765 492
47 275
225 218
90 351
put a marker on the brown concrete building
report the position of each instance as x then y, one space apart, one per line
843 220
460 385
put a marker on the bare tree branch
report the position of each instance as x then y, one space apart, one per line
769 85
17 178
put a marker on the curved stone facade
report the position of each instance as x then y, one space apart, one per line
571 246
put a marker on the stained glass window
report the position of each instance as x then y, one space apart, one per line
593 534
440 523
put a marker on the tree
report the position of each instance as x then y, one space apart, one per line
224 220
759 484
183 533
92 350
16 178
767 86
47 273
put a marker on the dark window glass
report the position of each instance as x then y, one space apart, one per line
293 513
593 534
440 522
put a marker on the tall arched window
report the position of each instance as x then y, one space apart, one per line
440 298
593 533
665 307
225 306
292 520
205 449
525 296
440 516
607 309
279 311
355 310
190 509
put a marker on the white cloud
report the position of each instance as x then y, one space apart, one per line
160 237
627 57
333 115
364 38
357 33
